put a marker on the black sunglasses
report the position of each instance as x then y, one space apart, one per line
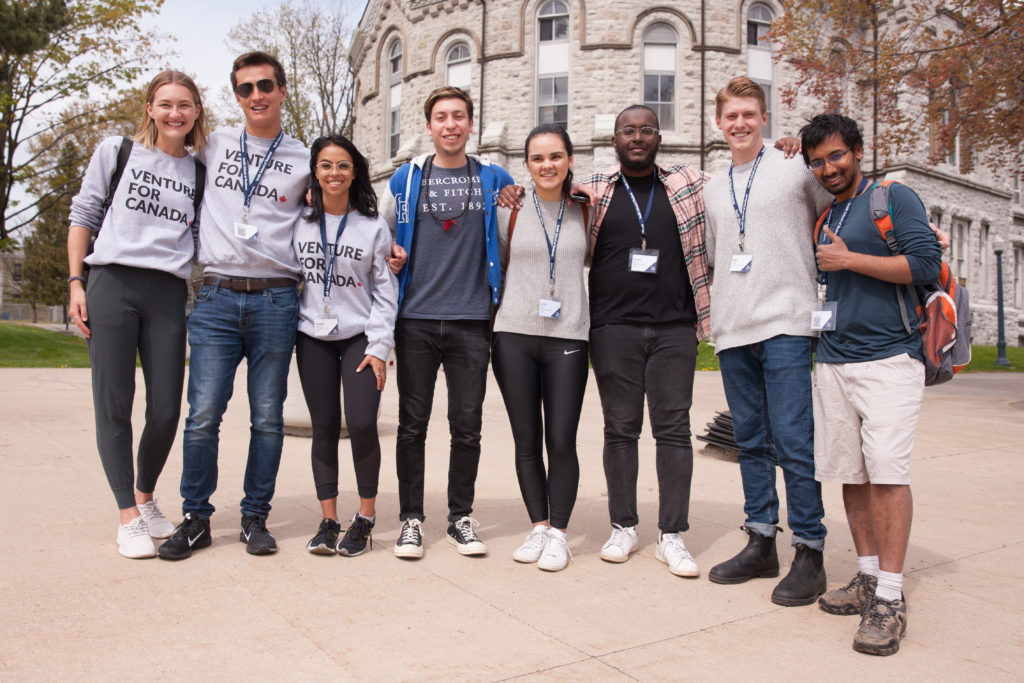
266 85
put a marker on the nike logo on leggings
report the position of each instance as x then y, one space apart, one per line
569 352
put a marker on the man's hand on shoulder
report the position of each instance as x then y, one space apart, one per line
789 146
511 197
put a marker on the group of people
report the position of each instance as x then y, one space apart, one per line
457 266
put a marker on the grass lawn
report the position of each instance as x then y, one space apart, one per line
23 346
983 359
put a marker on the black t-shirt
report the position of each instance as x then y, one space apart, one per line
620 296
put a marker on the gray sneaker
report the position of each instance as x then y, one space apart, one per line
881 626
851 598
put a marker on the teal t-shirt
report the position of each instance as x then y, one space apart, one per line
868 321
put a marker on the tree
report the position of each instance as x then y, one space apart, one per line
311 43
959 60
57 50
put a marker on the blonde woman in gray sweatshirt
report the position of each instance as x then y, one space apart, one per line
134 301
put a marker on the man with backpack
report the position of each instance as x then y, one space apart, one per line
869 372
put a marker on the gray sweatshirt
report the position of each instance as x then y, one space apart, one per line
526 275
364 293
276 204
147 225
778 294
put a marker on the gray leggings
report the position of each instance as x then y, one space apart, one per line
135 309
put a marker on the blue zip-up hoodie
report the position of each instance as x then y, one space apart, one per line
398 205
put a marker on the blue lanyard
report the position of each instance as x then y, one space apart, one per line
329 260
249 189
636 207
823 277
552 244
742 215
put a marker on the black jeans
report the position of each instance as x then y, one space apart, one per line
631 361
536 373
421 347
325 367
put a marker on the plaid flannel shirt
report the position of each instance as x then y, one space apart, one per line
684 185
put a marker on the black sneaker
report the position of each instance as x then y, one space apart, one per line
465 540
192 534
326 538
410 540
255 536
359 532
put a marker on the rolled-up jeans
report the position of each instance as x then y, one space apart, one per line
224 328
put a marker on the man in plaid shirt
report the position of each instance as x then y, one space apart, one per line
649 304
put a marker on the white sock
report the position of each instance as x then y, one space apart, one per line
868 564
371 520
890 586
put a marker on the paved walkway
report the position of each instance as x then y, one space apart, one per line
73 608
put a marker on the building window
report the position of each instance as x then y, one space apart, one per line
394 97
457 67
983 266
1018 199
1018 277
553 63
759 22
660 73
960 249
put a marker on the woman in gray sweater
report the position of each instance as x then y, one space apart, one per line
347 316
135 298
540 342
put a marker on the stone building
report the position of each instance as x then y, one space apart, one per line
579 62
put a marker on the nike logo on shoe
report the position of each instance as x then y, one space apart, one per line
570 352
192 541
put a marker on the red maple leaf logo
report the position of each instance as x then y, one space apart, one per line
283 199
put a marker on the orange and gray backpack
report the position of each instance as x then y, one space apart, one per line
943 306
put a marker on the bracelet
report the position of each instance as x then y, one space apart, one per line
76 277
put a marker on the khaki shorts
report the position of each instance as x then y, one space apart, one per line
865 415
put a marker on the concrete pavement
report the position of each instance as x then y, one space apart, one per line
73 608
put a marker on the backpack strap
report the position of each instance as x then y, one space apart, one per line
880 208
511 228
123 152
817 226
197 199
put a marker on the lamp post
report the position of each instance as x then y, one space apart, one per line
1001 341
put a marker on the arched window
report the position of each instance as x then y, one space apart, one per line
394 96
457 67
553 63
660 73
759 21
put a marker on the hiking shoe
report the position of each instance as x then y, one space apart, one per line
556 553
255 536
134 541
851 598
326 538
672 551
465 540
533 546
620 545
159 526
192 534
358 533
410 540
882 625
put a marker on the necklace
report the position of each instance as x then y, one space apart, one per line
447 223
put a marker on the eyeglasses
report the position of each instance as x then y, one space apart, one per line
343 166
833 158
646 132
265 85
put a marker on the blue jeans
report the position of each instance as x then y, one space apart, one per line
656 361
225 327
421 347
768 387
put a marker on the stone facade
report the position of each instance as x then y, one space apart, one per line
604 62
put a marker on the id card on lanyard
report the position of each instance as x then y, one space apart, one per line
823 318
327 326
243 229
551 307
642 260
742 260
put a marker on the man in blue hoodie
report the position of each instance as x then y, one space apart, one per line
442 210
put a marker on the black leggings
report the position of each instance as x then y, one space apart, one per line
325 367
543 372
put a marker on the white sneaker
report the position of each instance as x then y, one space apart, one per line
533 546
134 541
158 525
673 552
620 545
556 552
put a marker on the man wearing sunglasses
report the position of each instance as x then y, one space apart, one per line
760 215
247 307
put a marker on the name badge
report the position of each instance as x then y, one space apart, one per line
824 318
740 263
549 308
325 327
643 260
245 231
